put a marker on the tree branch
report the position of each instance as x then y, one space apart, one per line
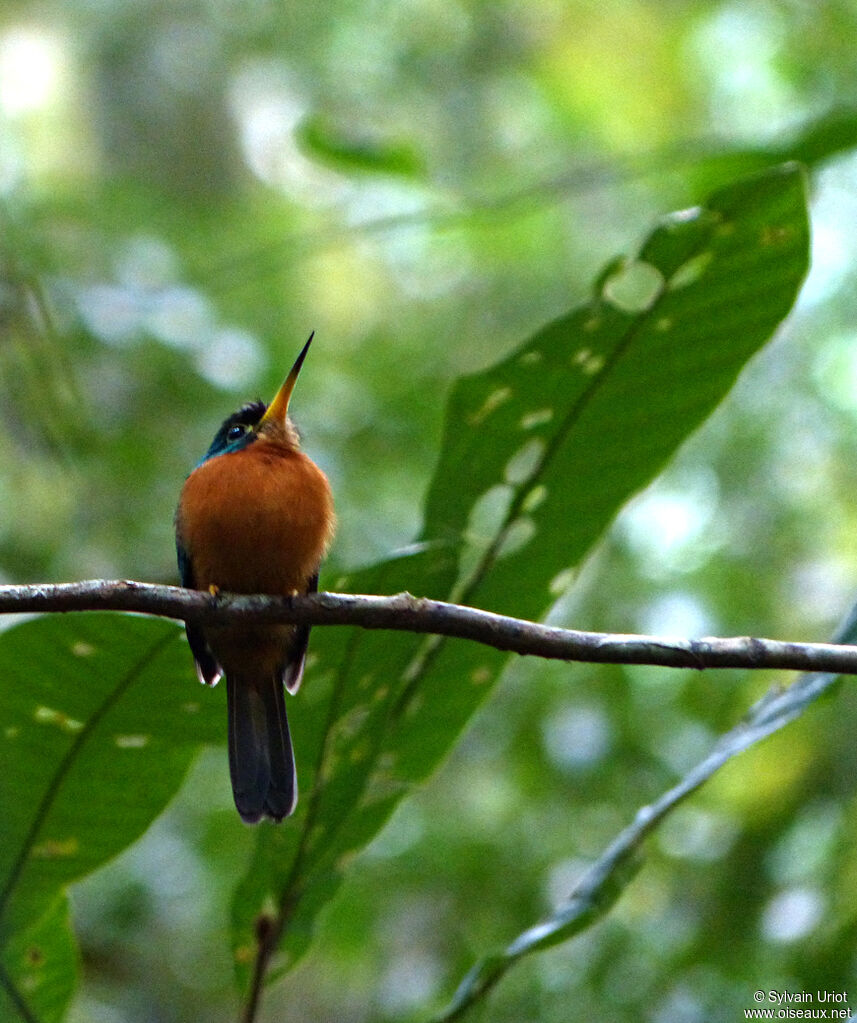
404 612
607 877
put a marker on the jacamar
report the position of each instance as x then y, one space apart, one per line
255 516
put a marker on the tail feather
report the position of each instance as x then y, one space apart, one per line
261 760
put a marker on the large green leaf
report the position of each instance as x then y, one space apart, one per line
539 454
99 723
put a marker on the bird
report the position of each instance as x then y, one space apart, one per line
255 516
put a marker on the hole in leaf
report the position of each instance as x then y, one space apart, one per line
494 400
517 536
49 716
131 741
685 216
634 287
588 361
534 498
537 418
488 514
524 462
562 581
352 722
691 271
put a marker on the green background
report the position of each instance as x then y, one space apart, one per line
188 190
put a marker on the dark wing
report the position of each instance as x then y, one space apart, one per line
207 668
293 669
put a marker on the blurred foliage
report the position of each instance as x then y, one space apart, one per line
170 233
101 727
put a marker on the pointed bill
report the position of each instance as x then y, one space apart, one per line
279 407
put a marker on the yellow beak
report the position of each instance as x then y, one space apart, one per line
279 407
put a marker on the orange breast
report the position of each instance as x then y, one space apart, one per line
256 521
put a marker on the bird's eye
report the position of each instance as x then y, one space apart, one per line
234 432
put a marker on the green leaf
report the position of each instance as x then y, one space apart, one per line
100 722
539 454
340 148
38 969
592 409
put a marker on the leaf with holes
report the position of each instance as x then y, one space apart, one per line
539 454
99 723
594 406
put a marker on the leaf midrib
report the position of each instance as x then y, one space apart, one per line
66 764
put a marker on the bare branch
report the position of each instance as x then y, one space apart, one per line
608 876
404 612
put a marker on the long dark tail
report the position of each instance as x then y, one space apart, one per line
261 760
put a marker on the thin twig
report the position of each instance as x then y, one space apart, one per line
605 880
404 612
